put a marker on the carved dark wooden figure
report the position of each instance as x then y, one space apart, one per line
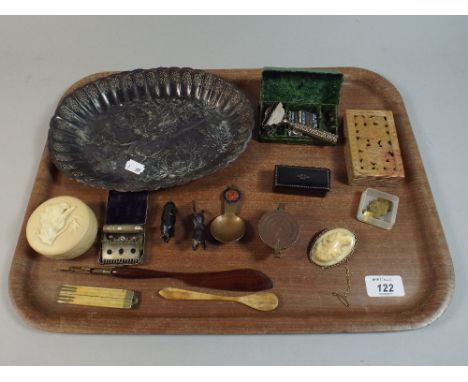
168 220
198 220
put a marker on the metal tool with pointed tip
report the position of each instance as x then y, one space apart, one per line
264 301
243 280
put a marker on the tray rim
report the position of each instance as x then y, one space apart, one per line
438 300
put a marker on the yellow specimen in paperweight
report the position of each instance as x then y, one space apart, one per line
378 208
332 247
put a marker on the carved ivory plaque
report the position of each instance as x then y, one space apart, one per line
62 228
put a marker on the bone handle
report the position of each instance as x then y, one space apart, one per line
182 294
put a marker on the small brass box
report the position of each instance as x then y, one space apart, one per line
372 151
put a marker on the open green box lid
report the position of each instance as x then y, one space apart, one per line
313 90
301 86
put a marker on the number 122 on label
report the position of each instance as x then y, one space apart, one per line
384 286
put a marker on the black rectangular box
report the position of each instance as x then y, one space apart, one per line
302 180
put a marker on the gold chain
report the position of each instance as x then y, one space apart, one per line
343 297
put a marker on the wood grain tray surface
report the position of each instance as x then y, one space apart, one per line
415 248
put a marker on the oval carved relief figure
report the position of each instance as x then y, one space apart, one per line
55 219
149 129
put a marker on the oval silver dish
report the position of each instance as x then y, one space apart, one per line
173 125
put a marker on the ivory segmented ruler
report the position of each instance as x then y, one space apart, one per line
97 296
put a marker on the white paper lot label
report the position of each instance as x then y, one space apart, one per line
384 286
134 166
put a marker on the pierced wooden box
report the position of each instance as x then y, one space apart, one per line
372 151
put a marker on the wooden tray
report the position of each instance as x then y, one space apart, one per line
415 248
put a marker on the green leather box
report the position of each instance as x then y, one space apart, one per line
301 89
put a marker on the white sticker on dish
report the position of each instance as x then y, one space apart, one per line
384 286
134 166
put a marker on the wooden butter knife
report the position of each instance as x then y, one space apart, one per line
243 280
